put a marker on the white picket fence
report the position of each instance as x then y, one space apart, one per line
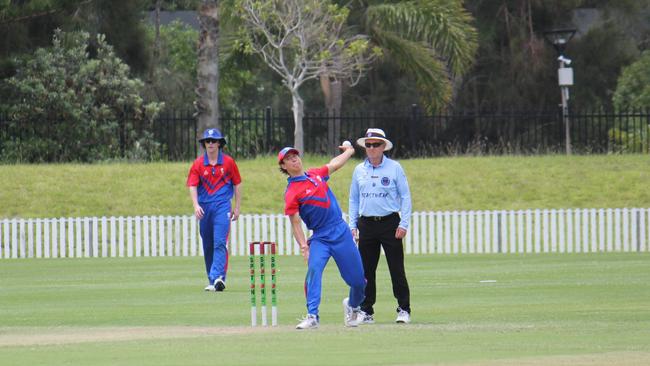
448 232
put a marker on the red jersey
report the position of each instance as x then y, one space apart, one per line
215 183
310 196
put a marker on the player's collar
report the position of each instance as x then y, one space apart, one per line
300 178
206 159
297 178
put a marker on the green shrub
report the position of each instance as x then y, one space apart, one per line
75 101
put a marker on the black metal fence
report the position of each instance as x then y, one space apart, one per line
413 132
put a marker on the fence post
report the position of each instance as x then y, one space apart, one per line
337 130
267 127
123 138
197 149
331 147
499 233
637 233
414 125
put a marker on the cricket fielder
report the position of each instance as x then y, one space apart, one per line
213 180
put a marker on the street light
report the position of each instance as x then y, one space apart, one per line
559 38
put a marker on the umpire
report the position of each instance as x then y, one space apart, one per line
380 211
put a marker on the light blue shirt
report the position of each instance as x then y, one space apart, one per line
379 191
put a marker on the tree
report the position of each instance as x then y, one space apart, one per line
159 5
633 93
155 54
633 89
301 40
516 70
433 41
67 105
599 57
120 21
174 79
26 25
207 90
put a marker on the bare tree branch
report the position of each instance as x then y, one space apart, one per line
301 40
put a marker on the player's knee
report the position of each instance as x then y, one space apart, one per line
358 282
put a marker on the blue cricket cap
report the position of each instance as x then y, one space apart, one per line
213 133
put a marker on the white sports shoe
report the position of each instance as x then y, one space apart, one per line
308 322
355 319
346 309
352 316
403 316
209 288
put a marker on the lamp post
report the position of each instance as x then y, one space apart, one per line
559 38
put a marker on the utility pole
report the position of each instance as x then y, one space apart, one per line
559 38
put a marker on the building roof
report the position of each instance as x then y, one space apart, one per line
187 17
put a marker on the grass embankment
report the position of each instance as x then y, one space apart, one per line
458 183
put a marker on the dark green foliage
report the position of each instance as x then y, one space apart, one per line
513 69
596 71
120 21
633 89
25 26
65 105
516 69
633 94
174 77
425 45
244 83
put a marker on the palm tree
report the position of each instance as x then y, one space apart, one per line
431 40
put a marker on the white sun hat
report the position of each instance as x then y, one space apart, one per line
375 134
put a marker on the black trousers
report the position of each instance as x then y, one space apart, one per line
374 234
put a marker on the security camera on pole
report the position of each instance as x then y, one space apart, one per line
559 39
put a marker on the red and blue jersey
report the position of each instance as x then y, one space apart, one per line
215 183
310 196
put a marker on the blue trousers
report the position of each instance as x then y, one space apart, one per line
338 244
214 228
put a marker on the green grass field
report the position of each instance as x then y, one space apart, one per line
568 309
561 309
